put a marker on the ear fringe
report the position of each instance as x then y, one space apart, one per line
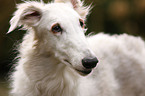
21 8
83 10
78 5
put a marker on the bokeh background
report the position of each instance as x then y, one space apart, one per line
108 16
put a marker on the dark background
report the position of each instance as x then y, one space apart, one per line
109 16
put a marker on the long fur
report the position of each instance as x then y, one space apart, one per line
48 61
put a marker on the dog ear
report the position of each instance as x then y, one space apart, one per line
27 14
78 6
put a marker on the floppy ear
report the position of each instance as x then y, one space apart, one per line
78 6
27 14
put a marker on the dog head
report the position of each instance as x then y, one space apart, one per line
59 27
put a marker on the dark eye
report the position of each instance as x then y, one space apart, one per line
82 23
56 28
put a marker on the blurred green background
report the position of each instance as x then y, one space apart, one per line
109 16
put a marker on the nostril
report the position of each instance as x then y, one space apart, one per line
89 63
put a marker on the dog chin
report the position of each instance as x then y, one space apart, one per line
84 72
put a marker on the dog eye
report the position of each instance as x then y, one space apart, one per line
56 28
82 23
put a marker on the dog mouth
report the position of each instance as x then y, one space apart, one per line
84 72
67 61
81 72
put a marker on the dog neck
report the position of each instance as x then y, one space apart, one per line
60 82
55 79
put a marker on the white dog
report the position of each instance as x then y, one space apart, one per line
56 59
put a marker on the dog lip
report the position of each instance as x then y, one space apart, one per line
67 61
84 72
81 72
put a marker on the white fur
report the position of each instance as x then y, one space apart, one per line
42 69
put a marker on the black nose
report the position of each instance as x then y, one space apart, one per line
89 63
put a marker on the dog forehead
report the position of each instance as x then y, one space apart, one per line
61 10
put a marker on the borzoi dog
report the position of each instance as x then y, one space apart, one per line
56 59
